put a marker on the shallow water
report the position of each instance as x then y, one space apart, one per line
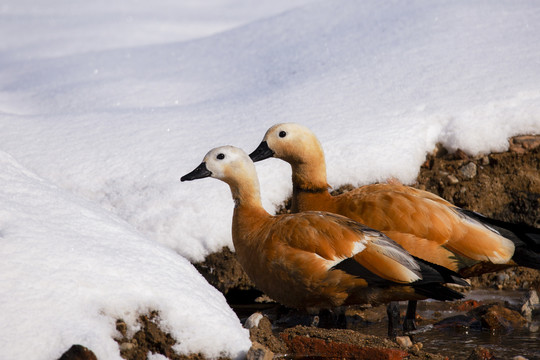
504 345
459 343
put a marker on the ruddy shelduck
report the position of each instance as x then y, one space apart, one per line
317 260
426 225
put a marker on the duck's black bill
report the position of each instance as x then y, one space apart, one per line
261 152
200 172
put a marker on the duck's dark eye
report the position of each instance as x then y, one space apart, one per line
220 156
282 134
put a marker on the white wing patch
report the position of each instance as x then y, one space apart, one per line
358 247
389 248
393 250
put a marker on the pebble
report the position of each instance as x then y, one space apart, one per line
126 346
452 179
519 357
468 171
404 341
502 277
484 160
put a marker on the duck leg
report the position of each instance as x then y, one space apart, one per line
394 318
410 317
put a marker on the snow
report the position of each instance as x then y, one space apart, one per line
103 106
69 269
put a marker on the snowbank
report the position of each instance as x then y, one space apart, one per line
69 269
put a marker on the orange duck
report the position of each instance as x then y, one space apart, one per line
426 225
317 260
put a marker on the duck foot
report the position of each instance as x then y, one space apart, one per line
329 319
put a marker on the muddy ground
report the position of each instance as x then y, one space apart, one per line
504 186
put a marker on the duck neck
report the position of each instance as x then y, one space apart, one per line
309 185
246 194
248 210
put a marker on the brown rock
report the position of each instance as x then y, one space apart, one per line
259 352
496 317
78 352
262 334
313 347
518 149
460 154
527 142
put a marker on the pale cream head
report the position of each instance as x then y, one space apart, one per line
293 143
229 162
298 146
233 166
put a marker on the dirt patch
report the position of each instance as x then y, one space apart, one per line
150 338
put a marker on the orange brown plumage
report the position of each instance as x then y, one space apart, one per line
315 260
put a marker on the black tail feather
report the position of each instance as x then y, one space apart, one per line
433 278
526 257
437 273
